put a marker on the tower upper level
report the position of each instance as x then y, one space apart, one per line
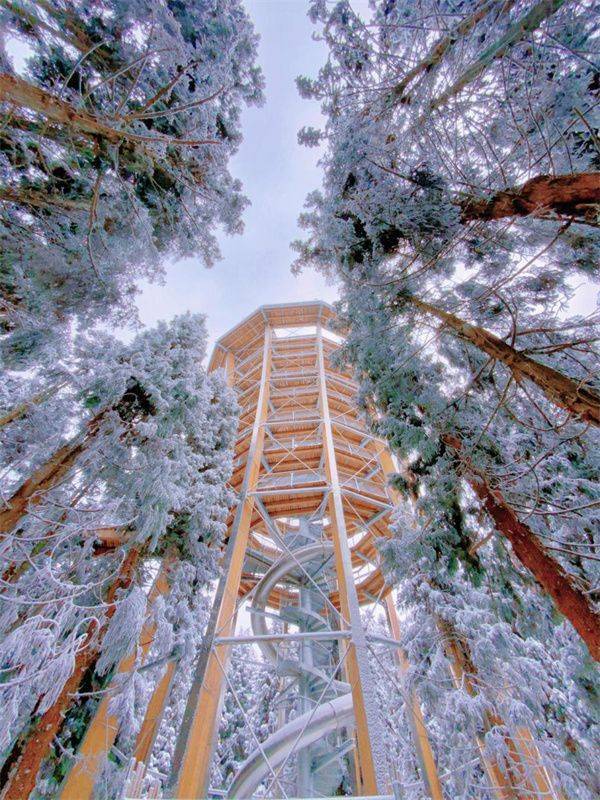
301 435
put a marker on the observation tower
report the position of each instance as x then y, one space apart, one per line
301 559
301 576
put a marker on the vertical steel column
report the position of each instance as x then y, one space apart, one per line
195 743
369 739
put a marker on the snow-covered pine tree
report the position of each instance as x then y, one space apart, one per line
396 185
152 480
507 286
459 207
114 152
180 620
393 699
457 578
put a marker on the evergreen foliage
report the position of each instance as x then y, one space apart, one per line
459 208
459 212
147 479
114 153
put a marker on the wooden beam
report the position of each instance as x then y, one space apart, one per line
154 714
194 748
425 757
369 740
502 784
104 727
230 369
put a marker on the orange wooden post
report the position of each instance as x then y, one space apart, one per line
103 729
420 737
155 709
371 755
195 747
154 714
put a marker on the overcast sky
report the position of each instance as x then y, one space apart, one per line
277 174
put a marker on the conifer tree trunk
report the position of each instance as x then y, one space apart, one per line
21 410
43 200
558 388
564 194
441 47
570 600
28 755
23 94
45 477
67 29
26 95
528 23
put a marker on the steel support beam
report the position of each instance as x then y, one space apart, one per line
314 636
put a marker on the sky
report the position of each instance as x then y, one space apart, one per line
277 174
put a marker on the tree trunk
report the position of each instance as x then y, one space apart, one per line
44 478
23 94
564 194
21 410
38 199
558 388
72 125
439 50
516 32
571 601
26 95
36 747
66 24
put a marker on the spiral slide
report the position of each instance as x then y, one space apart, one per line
334 712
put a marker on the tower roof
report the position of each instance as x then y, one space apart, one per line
279 315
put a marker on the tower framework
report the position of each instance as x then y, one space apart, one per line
312 500
301 568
